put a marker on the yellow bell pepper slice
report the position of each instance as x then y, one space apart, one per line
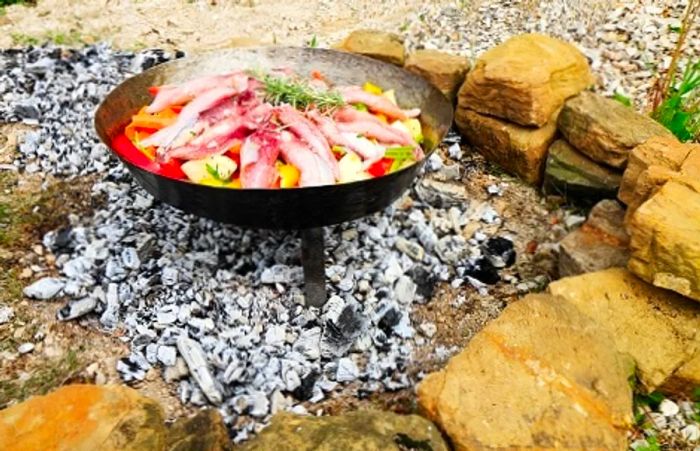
289 175
372 88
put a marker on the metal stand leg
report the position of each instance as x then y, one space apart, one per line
312 259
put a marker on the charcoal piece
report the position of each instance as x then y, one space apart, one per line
63 240
339 336
500 251
390 319
483 271
305 391
424 279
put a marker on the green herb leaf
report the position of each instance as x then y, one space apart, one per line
298 93
313 43
361 107
214 172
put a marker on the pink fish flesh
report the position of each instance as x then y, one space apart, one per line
179 94
189 115
376 103
313 170
258 155
308 132
373 126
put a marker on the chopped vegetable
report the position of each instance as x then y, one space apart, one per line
391 95
414 128
351 169
372 88
361 107
217 168
380 167
289 175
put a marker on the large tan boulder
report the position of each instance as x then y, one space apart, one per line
605 130
356 431
664 151
387 47
443 70
685 380
204 431
664 237
85 417
600 243
657 328
541 376
521 151
525 79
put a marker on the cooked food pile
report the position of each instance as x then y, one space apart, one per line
271 130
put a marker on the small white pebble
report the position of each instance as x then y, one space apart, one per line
691 433
668 408
25 348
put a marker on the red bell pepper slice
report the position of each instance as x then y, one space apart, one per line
380 167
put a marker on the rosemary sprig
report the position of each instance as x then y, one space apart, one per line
298 93
214 172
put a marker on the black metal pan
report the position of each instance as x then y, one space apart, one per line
297 208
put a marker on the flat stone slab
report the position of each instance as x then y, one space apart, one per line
600 243
657 328
376 44
443 70
355 431
542 375
605 130
521 151
575 176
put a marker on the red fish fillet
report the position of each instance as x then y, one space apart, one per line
351 119
179 94
258 155
308 132
314 171
189 115
376 103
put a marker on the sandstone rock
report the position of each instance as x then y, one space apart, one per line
361 430
519 150
664 244
542 376
604 129
573 175
685 380
600 243
85 417
525 79
443 70
657 328
204 431
664 151
243 41
376 44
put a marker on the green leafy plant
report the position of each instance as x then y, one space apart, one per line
680 110
652 445
675 99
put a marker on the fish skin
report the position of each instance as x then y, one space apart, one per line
188 116
313 170
308 132
179 94
258 155
369 151
376 103
329 129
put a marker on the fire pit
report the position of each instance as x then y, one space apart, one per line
307 209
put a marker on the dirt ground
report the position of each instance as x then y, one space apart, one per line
30 206
197 25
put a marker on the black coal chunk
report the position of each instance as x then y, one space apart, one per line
483 271
339 336
500 251
63 240
389 320
305 391
424 279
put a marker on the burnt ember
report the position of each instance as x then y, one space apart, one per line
483 271
500 252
